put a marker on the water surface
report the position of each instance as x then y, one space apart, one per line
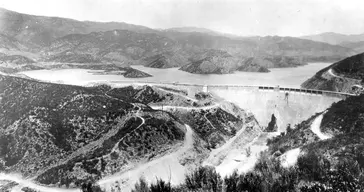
285 77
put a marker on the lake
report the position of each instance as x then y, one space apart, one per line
285 77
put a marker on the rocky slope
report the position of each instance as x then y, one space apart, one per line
340 76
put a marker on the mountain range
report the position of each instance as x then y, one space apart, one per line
53 39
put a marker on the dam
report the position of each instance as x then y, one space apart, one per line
289 105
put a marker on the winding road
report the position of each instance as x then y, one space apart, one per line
28 183
315 128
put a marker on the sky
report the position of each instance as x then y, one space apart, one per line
239 17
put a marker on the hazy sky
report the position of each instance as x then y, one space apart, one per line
242 17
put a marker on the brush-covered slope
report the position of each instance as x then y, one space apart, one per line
340 76
63 134
335 136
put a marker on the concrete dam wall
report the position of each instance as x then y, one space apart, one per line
291 108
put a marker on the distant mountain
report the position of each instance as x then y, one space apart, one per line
41 30
118 45
219 62
193 29
308 50
357 46
275 61
340 76
212 62
201 30
334 38
63 40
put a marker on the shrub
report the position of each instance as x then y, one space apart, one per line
141 186
161 186
204 178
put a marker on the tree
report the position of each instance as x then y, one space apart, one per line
141 186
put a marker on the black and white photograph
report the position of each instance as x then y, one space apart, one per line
181 96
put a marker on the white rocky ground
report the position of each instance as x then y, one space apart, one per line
315 127
290 157
31 184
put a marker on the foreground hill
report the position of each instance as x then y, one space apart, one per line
73 133
77 135
340 76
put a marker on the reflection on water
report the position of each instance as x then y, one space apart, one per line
285 77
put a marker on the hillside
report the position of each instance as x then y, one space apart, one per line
340 76
78 134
